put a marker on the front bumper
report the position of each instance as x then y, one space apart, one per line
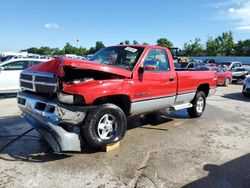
58 124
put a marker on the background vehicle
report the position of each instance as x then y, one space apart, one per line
8 55
195 65
177 56
192 65
97 97
224 76
240 73
246 87
10 71
230 64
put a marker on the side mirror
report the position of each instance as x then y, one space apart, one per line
151 65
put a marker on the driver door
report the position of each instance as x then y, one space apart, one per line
156 87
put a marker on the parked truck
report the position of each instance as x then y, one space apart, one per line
71 102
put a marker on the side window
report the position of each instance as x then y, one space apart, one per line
237 65
17 65
158 59
32 63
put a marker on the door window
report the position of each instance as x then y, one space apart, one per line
17 65
158 59
32 63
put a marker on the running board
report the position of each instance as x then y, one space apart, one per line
182 106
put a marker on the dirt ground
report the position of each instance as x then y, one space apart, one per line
169 151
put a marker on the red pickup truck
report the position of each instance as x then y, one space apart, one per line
71 102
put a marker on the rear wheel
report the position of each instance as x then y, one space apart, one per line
199 104
246 94
227 82
106 124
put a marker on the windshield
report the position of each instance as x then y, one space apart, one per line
122 56
238 70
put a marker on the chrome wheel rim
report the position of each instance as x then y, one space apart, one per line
106 127
227 82
200 105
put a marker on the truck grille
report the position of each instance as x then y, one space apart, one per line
41 82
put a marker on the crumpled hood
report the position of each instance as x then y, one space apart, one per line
57 65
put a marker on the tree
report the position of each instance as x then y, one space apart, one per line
135 42
32 50
145 43
242 48
212 46
44 50
164 42
226 43
81 51
126 42
91 50
69 49
99 45
194 48
57 51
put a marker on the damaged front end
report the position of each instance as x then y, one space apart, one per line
55 113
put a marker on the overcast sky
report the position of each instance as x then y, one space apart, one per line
34 23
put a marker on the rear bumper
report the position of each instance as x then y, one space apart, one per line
58 124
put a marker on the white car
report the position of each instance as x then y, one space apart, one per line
240 73
10 71
230 64
246 87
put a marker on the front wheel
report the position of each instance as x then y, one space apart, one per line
199 104
104 125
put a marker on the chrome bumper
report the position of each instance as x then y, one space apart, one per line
50 119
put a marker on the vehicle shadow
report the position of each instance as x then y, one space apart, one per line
235 173
156 118
7 95
29 147
236 96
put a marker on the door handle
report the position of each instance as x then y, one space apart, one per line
171 79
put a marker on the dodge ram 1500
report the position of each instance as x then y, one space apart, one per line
68 100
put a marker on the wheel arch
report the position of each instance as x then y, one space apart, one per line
204 88
123 101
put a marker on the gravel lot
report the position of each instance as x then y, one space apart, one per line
169 151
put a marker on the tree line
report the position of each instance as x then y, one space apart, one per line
223 45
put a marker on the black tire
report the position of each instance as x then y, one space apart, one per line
246 94
227 82
197 110
93 133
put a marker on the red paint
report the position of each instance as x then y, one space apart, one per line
56 66
222 76
136 85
